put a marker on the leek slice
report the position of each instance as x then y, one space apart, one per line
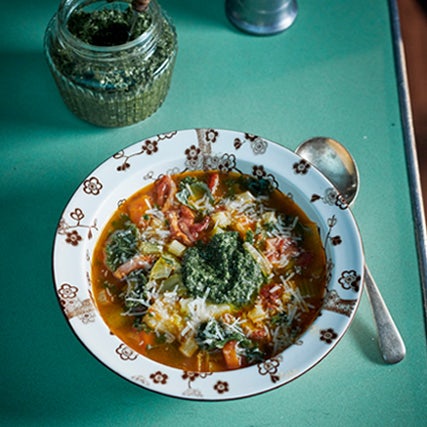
259 258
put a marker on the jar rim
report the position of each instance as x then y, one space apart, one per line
144 41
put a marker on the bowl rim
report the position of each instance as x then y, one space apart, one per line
252 143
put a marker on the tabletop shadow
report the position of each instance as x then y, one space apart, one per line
365 336
208 13
30 99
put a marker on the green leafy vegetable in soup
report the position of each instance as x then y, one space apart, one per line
206 271
121 246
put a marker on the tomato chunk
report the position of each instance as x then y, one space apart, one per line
213 182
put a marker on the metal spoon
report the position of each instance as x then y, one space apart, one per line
337 164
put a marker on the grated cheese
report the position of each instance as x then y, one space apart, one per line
203 204
272 320
299 299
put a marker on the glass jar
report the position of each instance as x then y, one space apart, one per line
112 65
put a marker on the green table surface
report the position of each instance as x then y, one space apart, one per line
332 73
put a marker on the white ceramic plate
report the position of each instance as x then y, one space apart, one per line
132 168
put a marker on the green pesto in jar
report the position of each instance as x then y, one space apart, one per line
112 66
108 27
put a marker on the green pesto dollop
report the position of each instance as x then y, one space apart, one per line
221 269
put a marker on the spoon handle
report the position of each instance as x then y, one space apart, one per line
390 342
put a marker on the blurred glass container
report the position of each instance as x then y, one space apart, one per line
261 17
112 65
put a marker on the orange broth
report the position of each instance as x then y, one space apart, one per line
149 299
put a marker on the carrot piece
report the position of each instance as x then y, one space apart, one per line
232 359
147 339
137 209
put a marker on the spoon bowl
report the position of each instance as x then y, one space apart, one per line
336 163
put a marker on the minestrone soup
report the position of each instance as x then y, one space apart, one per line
209 271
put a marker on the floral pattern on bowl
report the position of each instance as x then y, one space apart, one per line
139 164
